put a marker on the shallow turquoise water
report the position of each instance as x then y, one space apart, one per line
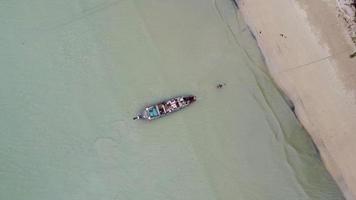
75 72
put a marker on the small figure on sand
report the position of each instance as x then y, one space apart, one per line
220 85
283 35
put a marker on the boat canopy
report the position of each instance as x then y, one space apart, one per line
152 112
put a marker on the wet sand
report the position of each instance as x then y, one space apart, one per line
307 49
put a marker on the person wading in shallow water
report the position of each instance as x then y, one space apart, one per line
220 85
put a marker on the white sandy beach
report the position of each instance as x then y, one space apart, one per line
307 49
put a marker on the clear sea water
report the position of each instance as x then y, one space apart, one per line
73 73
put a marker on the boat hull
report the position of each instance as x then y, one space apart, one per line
165 107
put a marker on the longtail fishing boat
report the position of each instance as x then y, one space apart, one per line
166 107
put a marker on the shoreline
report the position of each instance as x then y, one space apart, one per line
347 12
308 47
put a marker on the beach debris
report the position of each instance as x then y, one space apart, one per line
347 11
235 3
353 55
251 32
282 35
220 85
